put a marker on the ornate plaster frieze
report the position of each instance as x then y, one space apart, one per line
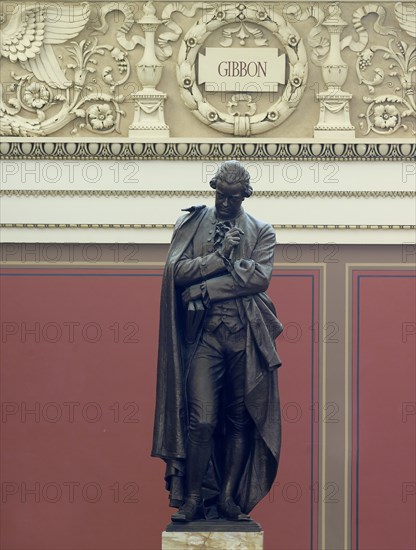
185 79
183 193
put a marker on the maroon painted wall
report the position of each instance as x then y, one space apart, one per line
384 408
78 384
78 374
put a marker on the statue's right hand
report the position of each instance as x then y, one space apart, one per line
231 240
191 293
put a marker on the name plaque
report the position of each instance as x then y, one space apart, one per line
239 70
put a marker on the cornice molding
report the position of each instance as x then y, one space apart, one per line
266 151
106 71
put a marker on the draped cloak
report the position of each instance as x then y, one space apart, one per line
253 260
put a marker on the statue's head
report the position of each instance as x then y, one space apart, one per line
232 186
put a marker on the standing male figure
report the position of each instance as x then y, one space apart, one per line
217 422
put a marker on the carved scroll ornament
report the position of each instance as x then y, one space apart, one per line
133 69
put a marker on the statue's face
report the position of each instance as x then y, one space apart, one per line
228 199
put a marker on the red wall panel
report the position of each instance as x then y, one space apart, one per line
289 514
79 350
383 423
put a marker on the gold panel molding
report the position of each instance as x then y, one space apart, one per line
171 226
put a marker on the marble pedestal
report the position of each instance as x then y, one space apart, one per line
213 535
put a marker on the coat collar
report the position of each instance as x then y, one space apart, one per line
212 216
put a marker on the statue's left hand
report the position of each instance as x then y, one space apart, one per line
191 293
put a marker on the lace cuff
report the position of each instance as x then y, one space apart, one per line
227 262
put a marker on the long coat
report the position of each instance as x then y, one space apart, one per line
250 277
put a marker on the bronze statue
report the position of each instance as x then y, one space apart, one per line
217 421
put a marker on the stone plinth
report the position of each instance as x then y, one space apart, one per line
213 535
149 118
334 116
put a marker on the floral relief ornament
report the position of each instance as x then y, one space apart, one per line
101 117
386 116
36 95
386 111
28 39
383 115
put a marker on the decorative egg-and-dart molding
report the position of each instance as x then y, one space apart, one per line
26 150
194 79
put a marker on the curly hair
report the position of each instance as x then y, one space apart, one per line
232 172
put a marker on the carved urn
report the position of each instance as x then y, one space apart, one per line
149 69
334 69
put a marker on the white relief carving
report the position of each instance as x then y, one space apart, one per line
334 111
334 117
248 124
149 102
66 66
30 34
316 39
108 111
357 17
149 113
365 54
406 15
237 100
174 30
129 43
385 112
27 39
334 102
242 31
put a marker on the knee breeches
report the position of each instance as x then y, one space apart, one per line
217 372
